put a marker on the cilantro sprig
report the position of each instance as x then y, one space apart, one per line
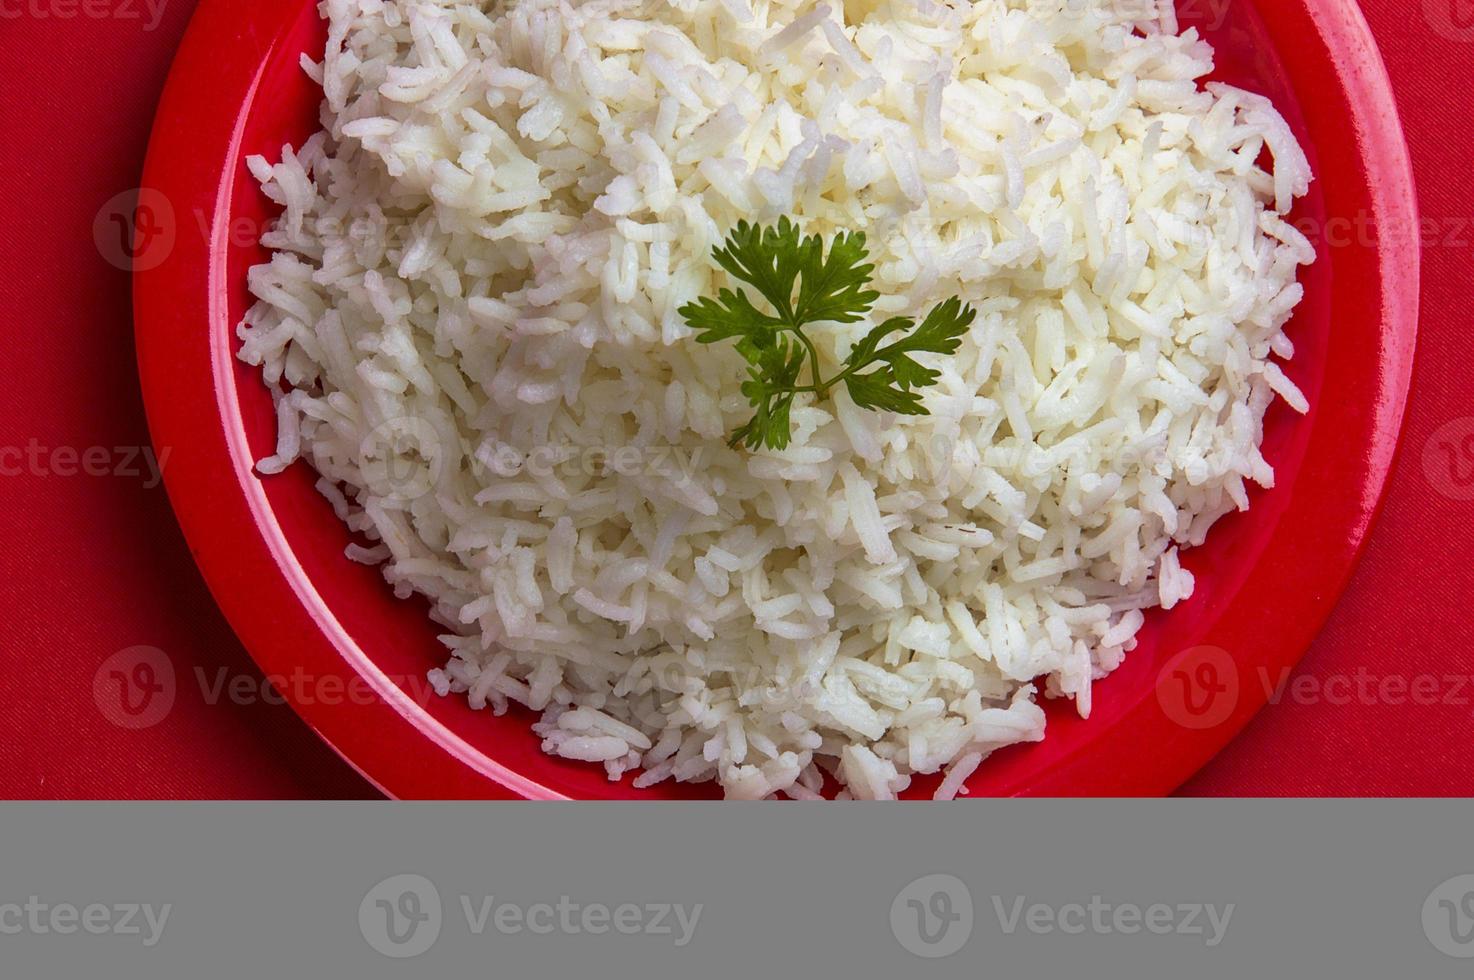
832 287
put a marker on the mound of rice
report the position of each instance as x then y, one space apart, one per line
469 323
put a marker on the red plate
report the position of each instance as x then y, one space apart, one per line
352 659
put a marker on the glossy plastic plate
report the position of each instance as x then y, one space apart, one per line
353 659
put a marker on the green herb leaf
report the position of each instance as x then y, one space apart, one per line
864 351
730 315
940 333
768 259
832 288
880 389
771 390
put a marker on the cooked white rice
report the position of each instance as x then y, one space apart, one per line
470 327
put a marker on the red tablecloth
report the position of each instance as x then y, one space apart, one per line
94 564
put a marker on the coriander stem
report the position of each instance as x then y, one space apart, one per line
813 356
821 388
824 389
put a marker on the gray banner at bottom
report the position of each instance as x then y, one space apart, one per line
975 889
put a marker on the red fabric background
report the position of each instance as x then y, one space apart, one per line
95 563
